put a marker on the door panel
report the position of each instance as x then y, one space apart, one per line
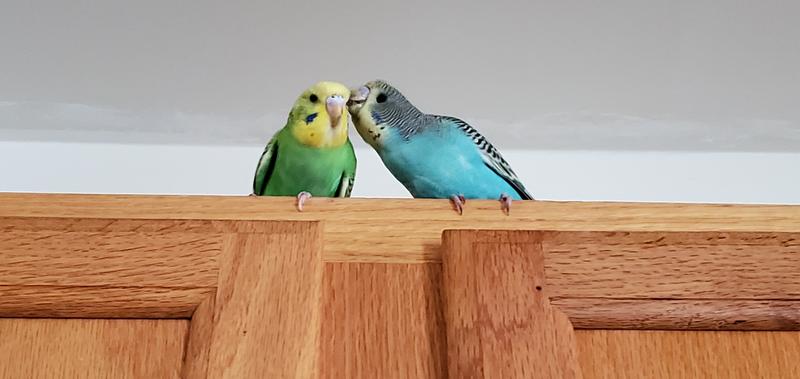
358 289
688 354
91 348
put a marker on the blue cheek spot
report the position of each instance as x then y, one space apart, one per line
310 118
377 118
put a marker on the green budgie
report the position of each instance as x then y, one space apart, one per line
311 154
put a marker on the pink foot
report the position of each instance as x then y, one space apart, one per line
505 203
458 203
301 199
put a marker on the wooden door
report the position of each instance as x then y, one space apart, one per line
159 298
184 289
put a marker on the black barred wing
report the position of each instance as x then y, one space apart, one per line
491 157
345 186
266 165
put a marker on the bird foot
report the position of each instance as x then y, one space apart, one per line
505 203
301 200
458 203
252 194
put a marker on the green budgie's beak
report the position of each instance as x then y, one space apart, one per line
334 105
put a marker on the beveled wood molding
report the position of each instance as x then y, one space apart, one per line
498 318
405 230
607 265
668 280
265 315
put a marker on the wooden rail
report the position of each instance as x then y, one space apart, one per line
608 265
368 288
406 230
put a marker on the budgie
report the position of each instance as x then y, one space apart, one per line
432 156
312 154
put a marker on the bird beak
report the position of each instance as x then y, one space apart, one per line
358 96
335 106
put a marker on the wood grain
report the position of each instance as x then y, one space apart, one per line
74 348
158 255
688 354
59 258
663 314
673 265
382 321
132 224
198 344
96 225
687 239
499 322
100 302
409 230
618 264
266 318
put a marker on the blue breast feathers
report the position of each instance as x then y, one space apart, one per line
439 164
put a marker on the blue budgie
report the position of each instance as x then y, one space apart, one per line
432 156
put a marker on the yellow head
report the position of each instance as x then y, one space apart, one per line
318 118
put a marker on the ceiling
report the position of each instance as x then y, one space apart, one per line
614 75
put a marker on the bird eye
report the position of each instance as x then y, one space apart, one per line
381 98
313 98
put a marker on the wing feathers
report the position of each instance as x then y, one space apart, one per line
266 166
491 157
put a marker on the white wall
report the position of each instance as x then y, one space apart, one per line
551 175
573 74
191 90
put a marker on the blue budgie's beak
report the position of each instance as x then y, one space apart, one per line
360 94
335 107
357 98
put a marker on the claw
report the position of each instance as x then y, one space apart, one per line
301 199
458 203
252 194
505 203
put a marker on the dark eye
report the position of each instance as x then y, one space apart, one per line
381 98
313 98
